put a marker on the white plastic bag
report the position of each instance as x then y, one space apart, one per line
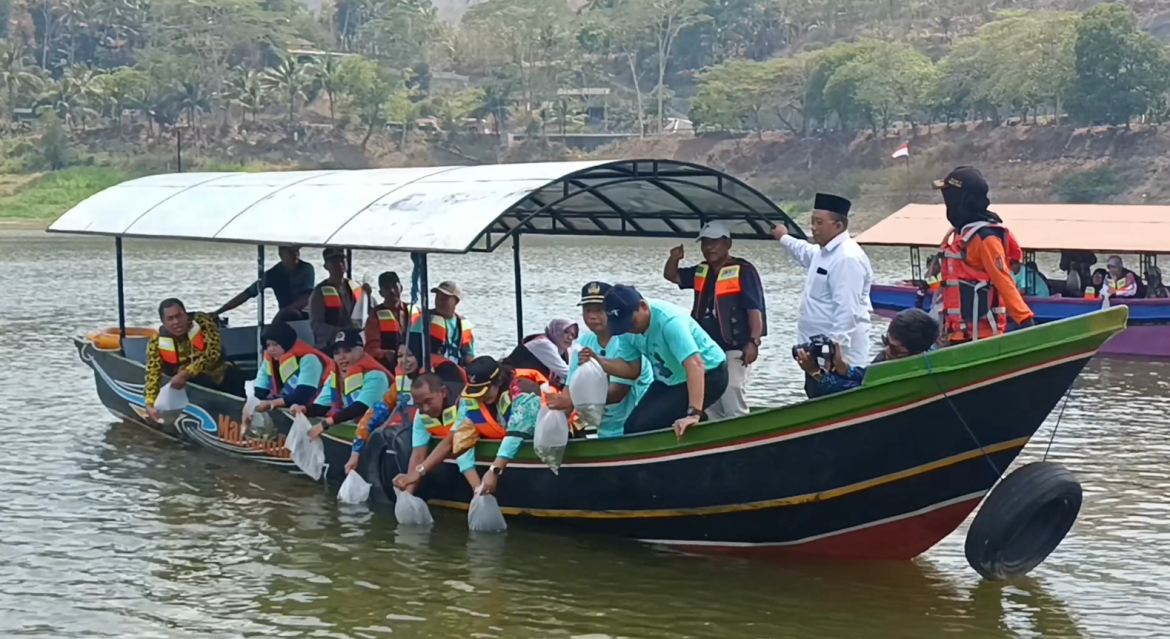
307 454
551 437
260 425
170 400
589 389
410 510
484 515
354 490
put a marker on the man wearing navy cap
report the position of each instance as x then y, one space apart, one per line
690 370
835 301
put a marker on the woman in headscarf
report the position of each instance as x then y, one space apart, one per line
1155 288
547 352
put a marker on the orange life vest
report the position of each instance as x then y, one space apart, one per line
284 373
442 342
169 352
334 304
729 310
486 423
346 393
389 327
972 306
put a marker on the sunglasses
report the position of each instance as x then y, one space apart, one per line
897 348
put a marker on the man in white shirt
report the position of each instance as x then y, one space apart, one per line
835 301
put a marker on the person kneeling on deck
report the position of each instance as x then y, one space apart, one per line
690 369
911 332
188 349
332 303
293 372
451 333
624 394
499 404
979 291
357 383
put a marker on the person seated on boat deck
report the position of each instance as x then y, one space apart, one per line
451 334
623 394
332 303
1076 264
1096 285
547 352
690 369
499 403
386 325
1155 289
291 282
293 372
188 348
911 332
1039 286
1122 282
355 384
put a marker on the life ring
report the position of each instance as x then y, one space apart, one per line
1023 520
110 339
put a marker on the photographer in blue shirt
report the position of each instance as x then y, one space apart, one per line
911 332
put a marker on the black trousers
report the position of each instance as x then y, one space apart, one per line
662 405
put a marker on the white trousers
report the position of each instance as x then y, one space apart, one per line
733 403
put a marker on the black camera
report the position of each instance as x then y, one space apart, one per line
819 347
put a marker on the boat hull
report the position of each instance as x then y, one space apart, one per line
882 472
1146 336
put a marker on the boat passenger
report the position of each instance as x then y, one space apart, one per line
451 333
1039 287
729 305
911 332
547 352
624 394
332 303
1096 285
1121 281
1155 289
690 369
977 254
1076 264
188 349
499 403
291 281
293 372
836 300
386 325
356 383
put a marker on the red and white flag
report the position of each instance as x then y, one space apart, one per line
903 151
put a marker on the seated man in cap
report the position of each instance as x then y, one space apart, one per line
690 369
911 332
499 403
386 325
351 388
293 372
729 305
333 302
451 333
291 281
624 394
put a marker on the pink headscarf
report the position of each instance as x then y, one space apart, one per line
556 332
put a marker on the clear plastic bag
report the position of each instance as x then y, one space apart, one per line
170 400
551 437
589 388
484 515
354 490
410 510
260 426
307 454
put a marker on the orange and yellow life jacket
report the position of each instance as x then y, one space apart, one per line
346 394
284 374
168 350
968 293
729 308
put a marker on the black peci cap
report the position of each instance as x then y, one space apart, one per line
832 203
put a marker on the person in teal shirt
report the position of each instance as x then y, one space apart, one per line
357 383
624 394
1039 286
690 370
451 334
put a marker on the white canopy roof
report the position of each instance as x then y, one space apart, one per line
451 209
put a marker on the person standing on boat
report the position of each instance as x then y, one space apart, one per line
291 281
351 388
979 290
835 301
386 326
293 372
451 333
188 348
729 305
690 370
332 303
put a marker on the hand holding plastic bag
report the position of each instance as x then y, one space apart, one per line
170 400
354 490
410 510
551 437
589 389
484 515
307 454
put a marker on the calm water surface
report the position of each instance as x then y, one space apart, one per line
109 530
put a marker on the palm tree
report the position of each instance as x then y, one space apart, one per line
247 90
16 73
61 97
191 97
327 75
289 78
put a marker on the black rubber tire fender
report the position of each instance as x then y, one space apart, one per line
1023 520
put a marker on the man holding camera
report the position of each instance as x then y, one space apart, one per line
835 302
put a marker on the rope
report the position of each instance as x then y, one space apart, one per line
955 409
1059 415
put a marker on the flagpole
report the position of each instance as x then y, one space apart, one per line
909 196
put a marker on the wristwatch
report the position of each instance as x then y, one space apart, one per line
757 340
497 470
694 412
421 469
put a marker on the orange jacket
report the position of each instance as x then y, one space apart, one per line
988 255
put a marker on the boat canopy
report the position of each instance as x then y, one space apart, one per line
1116 228
453 209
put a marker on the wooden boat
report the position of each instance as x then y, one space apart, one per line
1122 229
884 471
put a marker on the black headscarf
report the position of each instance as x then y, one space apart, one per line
967 203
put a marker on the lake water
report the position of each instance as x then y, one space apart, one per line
109 530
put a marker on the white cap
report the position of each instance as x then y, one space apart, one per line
714 231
